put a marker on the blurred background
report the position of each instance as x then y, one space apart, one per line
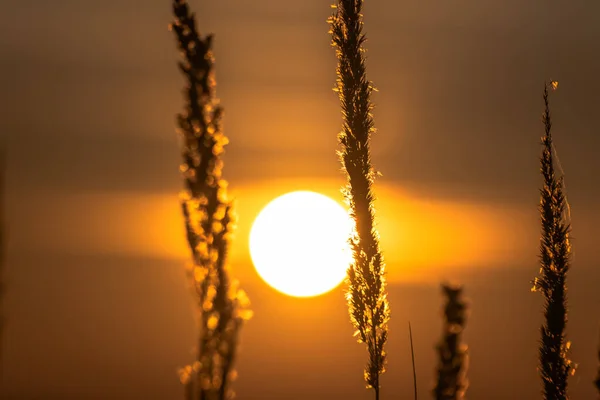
97 304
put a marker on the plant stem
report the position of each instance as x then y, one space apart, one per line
366 294
452 353
208 213
412 353
555 250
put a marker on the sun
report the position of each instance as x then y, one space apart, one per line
299 244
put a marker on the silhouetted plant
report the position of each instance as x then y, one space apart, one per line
597 381
208 217
555 250
412 354
366 294
452 353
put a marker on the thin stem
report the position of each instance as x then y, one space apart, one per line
412 353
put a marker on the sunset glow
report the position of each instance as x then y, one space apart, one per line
299 244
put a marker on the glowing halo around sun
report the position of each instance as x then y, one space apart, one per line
299 244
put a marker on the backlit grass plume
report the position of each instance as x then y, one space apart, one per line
367 297
208 217
555 249
452 353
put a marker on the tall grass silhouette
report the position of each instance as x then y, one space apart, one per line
412 356
555 250
366 294
208 214
451 381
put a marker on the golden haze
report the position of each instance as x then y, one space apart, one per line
419 236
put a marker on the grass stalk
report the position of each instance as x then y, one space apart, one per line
412 353
208 215
366 285
555 250
452 353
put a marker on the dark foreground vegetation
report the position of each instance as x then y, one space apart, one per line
208 212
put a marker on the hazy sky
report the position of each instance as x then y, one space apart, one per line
97 303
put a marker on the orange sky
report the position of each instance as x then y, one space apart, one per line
418 235
97 302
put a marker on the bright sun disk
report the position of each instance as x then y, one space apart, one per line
299 244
